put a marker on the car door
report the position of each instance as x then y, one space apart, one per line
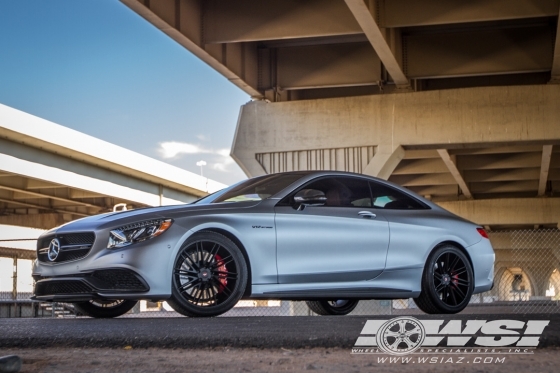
346 239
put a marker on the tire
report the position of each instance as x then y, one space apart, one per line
447 281
332 307
209 276
104 309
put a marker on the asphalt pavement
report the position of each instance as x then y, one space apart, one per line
241 332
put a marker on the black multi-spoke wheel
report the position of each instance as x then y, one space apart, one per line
209 276
447 282
332 307
104 309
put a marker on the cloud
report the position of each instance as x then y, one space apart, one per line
171 149
224 152
223 165
224 160
219 159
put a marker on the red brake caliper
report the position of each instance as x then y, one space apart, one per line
222 277
455 280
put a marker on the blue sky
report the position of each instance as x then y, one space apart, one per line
99 68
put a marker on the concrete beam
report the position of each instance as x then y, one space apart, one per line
33 195
507 211
75 193
43 207
28 137
555 71
436 190
518 115
504 51
40 184
450 163
32 163
319 66
545 167
510 149
421 166
499 161
406 13
375 36
385 161
41 221
423 179
529 186
257 20
513 174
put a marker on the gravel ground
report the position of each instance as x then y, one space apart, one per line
127 359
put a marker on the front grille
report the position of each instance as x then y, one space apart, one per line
72 246
85 238
79 238
61 287
119 279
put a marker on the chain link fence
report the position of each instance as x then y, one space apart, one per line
526 280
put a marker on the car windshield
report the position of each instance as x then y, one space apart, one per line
258 188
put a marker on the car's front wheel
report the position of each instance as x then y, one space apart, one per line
447 281
209 276
332 307
104 309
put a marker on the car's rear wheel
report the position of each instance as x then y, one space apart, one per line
332 307
447 281
209 276
104 309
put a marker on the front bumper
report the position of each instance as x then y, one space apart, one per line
150 260
113 283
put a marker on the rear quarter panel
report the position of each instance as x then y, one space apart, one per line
415 233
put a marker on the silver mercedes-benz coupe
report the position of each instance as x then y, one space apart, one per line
329 238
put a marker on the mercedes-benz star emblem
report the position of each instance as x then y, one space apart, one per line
54 249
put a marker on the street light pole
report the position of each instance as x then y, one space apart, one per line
201 163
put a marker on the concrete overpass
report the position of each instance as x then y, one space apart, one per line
457 100
50 174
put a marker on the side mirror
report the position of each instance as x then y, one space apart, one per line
310 197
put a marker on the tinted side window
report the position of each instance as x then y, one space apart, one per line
343 191
390 198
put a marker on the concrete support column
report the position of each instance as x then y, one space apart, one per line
540 278
386 159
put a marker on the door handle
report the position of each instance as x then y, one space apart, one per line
367 214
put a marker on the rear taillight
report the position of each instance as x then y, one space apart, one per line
482 232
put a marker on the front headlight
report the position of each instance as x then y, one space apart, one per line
132 233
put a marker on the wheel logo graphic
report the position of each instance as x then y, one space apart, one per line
400 336
54 250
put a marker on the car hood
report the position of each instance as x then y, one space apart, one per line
126 217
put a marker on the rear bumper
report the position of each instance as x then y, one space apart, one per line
483 258
115 283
